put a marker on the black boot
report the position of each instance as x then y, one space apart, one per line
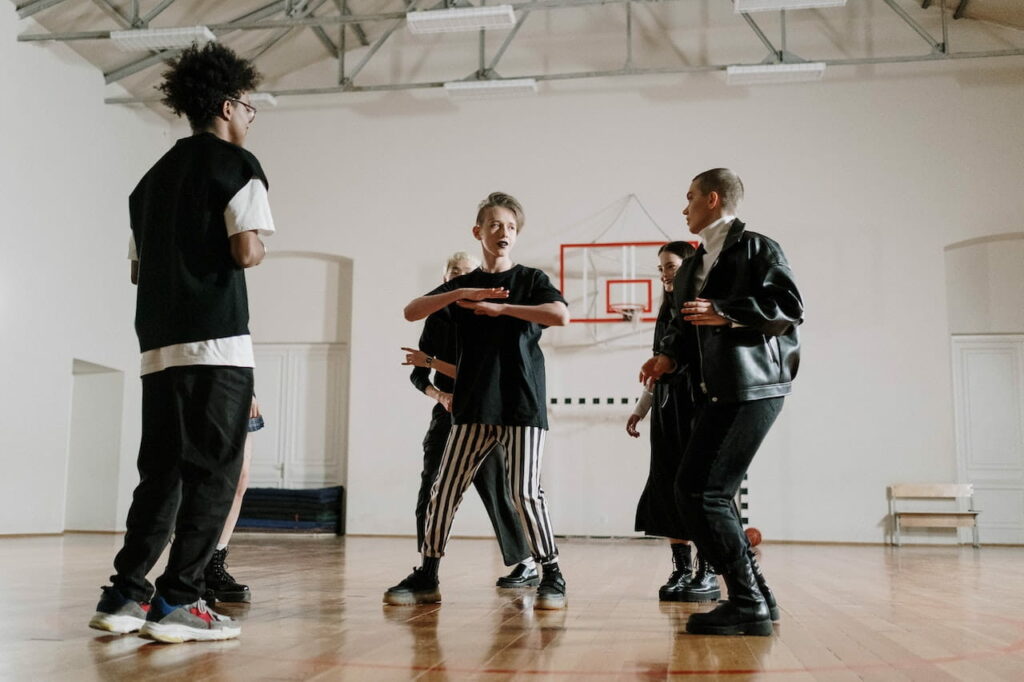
551 593
680 576
766 592
420 587
703 586
220 586
744 613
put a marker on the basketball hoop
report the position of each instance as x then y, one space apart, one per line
630 312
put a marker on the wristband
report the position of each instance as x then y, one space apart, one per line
429 361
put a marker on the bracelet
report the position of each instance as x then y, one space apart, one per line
429 361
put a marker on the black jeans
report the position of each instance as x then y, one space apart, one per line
490 483
193 429
724 440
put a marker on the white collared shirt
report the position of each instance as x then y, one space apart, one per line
713 237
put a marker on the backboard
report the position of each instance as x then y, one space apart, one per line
610 281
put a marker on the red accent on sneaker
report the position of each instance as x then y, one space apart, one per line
205 615
145 606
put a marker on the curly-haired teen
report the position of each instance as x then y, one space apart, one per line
195 222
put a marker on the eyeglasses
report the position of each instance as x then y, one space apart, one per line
248 107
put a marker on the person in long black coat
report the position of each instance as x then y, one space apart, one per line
669 404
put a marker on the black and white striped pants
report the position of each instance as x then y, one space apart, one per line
468 445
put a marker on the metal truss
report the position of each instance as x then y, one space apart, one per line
289 16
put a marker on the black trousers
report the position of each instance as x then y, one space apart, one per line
490 483
723 442
193 429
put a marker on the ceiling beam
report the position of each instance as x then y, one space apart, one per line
156 11
146 62
578 75
254 23
902 14
29 8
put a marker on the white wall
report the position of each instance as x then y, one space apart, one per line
68 164
863 178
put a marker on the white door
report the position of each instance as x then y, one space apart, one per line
988 382
301 389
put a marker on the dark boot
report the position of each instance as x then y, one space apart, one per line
744 613
703 586
551 593
420 587
220 586
683 566
766 592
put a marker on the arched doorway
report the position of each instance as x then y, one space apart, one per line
300 309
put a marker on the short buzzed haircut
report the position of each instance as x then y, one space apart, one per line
723 181
502 200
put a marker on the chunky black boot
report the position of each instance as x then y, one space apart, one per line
703 586
680 576
744 613
766 592
220 586
551 593
420 587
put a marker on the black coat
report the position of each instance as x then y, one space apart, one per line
751 285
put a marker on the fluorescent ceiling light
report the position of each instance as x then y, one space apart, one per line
263 98
491 89
161 38
767 5
774 73
460 19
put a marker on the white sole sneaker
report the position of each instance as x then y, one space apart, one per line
121 625
175 633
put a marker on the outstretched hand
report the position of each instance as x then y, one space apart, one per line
415 357
482 307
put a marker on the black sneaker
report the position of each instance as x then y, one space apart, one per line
220 585
521 576
551 593
418 588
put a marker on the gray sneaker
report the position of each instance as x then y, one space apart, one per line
117 613
187 623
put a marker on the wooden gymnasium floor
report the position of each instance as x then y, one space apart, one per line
848 613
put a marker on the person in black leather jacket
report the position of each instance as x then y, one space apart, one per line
736 337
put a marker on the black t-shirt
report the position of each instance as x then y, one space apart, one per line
500 367
190 288
438 340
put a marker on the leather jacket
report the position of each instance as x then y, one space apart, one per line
757 356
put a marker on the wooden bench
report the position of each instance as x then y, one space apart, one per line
950 518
